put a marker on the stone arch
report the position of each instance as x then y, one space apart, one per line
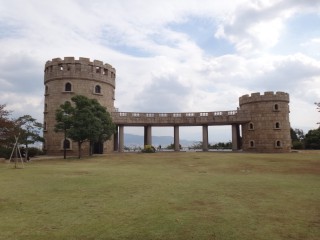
67 143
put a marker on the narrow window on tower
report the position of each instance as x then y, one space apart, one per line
97 89
278 144
68 87
66 143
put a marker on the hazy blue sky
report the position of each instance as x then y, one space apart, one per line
170 55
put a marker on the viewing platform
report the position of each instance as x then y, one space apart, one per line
181 119
148 120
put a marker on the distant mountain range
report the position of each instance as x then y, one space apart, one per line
137 140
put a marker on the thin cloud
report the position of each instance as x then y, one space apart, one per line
169 55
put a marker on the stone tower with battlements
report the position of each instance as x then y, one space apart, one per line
269 128
260 124
66 78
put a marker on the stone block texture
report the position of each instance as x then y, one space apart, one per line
264 118
269 127
66 78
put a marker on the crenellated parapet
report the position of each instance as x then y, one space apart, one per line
266 97
81 68
263 117
67 77
269 128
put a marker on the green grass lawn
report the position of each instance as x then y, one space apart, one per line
163 196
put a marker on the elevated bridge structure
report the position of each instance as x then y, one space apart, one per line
263 119
260 123
148 120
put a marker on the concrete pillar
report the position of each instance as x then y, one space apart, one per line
205 138
235 137
116 139
147 135
176 138
121 138
239 137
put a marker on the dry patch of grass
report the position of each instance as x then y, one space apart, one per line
163 196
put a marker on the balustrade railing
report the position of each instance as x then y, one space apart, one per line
175 115
184 118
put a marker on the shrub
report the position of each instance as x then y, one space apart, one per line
149 149
297 145
5 152
33 151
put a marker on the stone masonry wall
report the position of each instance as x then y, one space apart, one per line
264 117
94 80
269 128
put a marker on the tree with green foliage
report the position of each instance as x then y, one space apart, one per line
196 145
7 132
222 145
297 138
103 128
86 121
63 119
171 146
312 139
29 131
4 114
7 127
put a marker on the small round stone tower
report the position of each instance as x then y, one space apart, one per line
269 128
66 78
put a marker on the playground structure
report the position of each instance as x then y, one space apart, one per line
259 124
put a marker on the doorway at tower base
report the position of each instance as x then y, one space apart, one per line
98 148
